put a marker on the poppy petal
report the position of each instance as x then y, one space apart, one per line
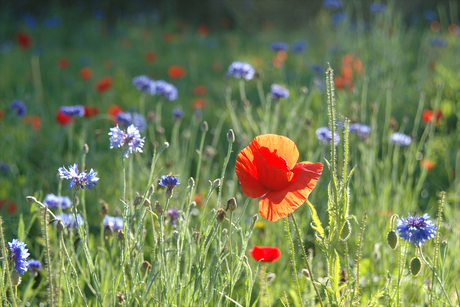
247 174
284 147
273 171
265 253
278 204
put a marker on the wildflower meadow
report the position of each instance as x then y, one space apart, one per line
153 160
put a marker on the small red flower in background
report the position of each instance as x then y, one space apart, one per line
268 168
33 120
358 66
11 209
86 73
103 84
176 72
168 37
199 200
113 111
63 119
150 57
90 111
199 104
1 114
203 30
427 164
265 253
427 116
24 40
199 90
339 82
63 63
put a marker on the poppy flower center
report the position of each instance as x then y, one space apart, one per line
274 172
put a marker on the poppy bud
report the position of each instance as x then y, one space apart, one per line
204 126
31 199
15 278
305 273
107 231
191 182
104 210
145 266
230 136
346 231
220 215
59 225
146 202
85 148
231 204
137 200
120 235
158 208
216 183
151 189
270 276
392 239
415 266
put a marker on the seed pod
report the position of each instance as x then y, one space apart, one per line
216 183
392 239
145 266
104 210
415 266
230 136
120 235
346 231
146 202
59 225
204 126
137 200
220 215
158 208
231 204
305 273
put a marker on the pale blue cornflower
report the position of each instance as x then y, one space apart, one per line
325 135
69 220
401 139
241 70
19 254
74 111
173 215
277 92
166 90
278 46
299 46
169 182
131 139
78 180
114 222
53 201
416 229
132 118
34 265
144 84
19 108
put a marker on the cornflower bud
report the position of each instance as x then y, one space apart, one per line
104 210
120 235
107 231
59 225
216 183
15 278
158 208
220 215
137 200
191 182
85 148
231 204
146 202
204 126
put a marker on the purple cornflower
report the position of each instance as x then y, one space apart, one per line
323 134
361 130
416 229
114 222
19 108
20 254
4 168
131 139
299 46
144 84
69 221
278 46
54 201
332 4
241 70
178 113
78 180
401 139
132 118
439 42
34 265
173 215
169 182
166 90
277 92
377 7
74 111
317 68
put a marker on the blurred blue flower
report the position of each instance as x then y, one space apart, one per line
30 21
6 47
74 111
132 118
19 254
439 42
277 92
83 60
212 42
53 201
325 135
37 50
4 168
241 70
166 90
178 113
173 215
99 14
430 15
317 68
69 221
131 139
78 180
332 4
377 7
144 84
277 46
401 139
416 229
361 130
19 108
114 222
52 22
299 46
338 17
34 265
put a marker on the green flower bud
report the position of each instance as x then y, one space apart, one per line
392 239
415 266
346 231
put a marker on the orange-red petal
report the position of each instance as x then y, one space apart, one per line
278 204
273 170
265 253
284 147
248 175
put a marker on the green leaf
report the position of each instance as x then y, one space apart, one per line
316 224
21 231
336 273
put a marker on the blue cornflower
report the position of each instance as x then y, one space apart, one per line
132 118
114 222
241 70
83 60
69 221
19 108
20 254
4 168
401 139
144 84
299 46
277 46
131 139
416 229
438 42
30 21
430 15
166 90
178 113
360 129
52 22
74 111
277 92
34 265
317 68
332 4
169 182
6 47
325 135
54 201
377 7
173 215
78 180
338 17
99 14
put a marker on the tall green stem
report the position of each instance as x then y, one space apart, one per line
288 232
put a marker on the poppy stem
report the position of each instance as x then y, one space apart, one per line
266 286
286 224
305 257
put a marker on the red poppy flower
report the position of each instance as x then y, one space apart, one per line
358 66
203 30
427 164
265 253
150 57
113 111
427 115
199 200
199 90
267 168
176 72
103 84
86 73
24 41
33 120
1 114
90 111
63 119
346 72
11 208
199 104
63 63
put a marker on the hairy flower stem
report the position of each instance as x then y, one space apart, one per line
230 250
5 266
48 257
200 155
358 260
305 257
401 269
288 232
242 91
266 286
222 176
